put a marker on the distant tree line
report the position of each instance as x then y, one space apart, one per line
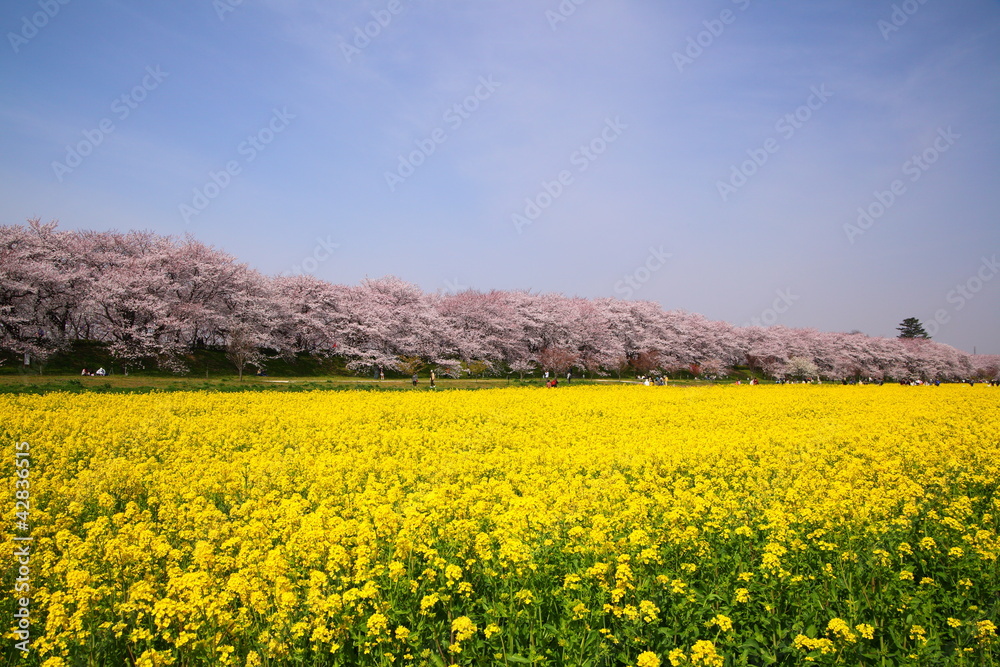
149 297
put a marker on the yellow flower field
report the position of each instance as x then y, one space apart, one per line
852 525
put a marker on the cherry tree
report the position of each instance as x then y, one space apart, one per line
310 314
150 296
985 367
559 360
386 319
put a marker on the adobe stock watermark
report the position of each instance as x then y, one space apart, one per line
562 13
963 293
702 40
899 16
453 118
248 150
223 7
454 286
121 108
32 24
783 301
321 252
633 282
22 546
363 35
581 158
786 127
914 168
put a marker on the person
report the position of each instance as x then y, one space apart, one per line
381 374
546 376
101 372
569 376
83 372
433 377
414 379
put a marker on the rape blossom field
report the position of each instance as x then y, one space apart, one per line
641 526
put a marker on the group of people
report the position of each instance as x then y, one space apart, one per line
937 383
554 382
417 379
100 372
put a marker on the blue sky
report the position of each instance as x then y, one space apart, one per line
710 156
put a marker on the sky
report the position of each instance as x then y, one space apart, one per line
824 164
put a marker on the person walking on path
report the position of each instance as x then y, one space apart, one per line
414 379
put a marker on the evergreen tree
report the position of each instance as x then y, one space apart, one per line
911 328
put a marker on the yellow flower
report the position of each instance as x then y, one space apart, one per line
703 653
396 570
809 644
427 603
724 622
840 629
201 521
648 659
377 624
463 628
648 611
524 596
453 573
986 631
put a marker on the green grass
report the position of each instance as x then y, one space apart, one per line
139 384
209 370
39 384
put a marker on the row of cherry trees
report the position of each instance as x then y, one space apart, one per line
148 296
